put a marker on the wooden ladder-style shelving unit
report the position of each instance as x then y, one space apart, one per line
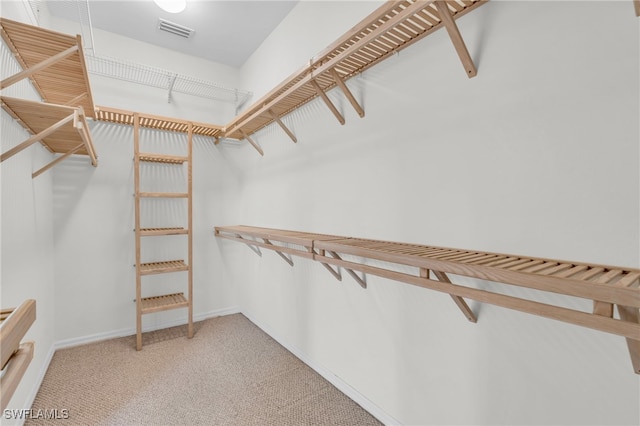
158 303
609 287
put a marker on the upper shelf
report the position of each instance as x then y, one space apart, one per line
61 129
606 286
53 61
389 29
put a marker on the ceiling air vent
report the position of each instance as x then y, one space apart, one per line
173 28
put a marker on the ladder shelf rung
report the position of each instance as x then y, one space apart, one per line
163 194
149 232
163 303
162 158
163 267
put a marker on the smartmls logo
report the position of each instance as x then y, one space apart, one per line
40 414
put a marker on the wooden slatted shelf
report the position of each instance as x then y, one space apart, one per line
162 158
60 129
164 194
389 29
163 267
607 286
15 356
150 232
53 61
118 116
164 303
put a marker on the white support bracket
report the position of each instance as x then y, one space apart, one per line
172 82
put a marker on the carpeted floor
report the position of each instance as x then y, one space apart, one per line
230 373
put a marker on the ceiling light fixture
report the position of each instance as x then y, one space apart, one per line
171 6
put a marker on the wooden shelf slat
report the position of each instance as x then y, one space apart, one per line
162 158
164 267
149 232
164 194
163 303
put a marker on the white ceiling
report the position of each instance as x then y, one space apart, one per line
227 32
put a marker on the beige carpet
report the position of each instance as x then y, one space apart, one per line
230 373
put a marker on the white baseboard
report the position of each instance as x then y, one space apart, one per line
336 381
92 338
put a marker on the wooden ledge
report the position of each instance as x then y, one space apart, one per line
606 286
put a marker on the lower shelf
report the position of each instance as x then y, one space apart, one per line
164 303
163 267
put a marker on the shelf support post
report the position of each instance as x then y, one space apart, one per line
253 248
286 259
251 141
632 315
281 124
136 181
328 267
636 4
327 101
56 161
340 82
355 276
456 38
35 138
466 310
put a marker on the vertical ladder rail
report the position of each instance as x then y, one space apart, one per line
136 178
190 225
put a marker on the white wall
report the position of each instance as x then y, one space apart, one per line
26 229
538 155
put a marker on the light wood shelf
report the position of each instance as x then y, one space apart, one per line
165 302
60 129
149 121
150 232
54 62
161 158
608 287
164 195
15 356
163 267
